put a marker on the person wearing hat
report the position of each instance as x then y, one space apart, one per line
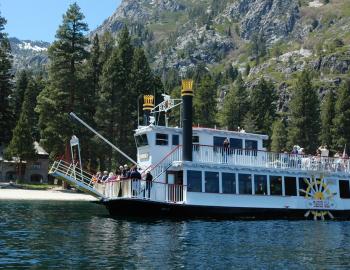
125 172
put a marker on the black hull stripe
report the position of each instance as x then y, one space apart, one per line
145 208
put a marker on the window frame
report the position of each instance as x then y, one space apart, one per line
234 185
347 192
199 184
172 139
266 185
276 177
207 179
295 187
142 136
248 183
165 140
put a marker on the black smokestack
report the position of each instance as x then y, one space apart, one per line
187 97
147 108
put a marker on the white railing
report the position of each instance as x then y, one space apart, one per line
126 188
73 171
140 189
161 167
255 158
74 175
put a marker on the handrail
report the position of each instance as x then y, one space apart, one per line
151 167
264 151
127 179
142 189
259 158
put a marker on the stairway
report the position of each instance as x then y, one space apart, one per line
75 176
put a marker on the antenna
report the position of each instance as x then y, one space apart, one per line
165 106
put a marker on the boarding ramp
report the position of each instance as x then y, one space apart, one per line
75 176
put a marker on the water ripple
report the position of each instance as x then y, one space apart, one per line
62 235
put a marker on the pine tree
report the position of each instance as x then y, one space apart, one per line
235 106
110 109
341 123
64 87
107 45
205 105
142 76
304 126
128 97
263 106
6 117
91 80
279 136
21 145
18 94
327 116
249 123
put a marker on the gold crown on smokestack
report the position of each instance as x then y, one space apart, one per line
187 86
148 102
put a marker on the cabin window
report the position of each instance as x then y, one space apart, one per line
194 181
245 183
303 185
218 143
195 142
251 147
212 182
141 140
290 186
229 183
260 184
236 146
344 189
161 139
175 140
275 185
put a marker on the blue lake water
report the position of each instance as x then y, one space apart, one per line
81 235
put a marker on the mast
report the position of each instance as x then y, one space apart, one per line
103 138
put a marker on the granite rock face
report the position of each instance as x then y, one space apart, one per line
29 54
194 42
274 18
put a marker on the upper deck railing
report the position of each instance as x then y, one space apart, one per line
264 159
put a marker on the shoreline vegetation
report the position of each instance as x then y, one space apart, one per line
41 193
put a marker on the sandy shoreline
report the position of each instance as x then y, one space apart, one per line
43 195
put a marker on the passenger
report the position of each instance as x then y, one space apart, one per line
96 178
295 150
324 151
135 180
126 172
104 176
149 179
135 174
111 177
226 145
120 170
301 151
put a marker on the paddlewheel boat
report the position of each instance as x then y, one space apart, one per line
195 176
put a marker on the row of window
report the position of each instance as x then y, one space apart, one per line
163 139
260 184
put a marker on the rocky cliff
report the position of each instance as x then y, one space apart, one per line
29 54
187 32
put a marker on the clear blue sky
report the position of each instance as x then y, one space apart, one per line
39 19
